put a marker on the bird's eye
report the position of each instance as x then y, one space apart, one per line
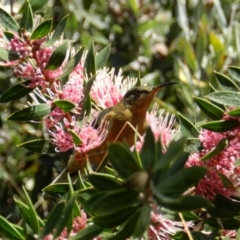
138 92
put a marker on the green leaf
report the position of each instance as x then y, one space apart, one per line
39 145
27 17
220 147
143 221
90 62
226 223
116 218
123 160
34 223
72 63
66 214
87 106
11 231
148 152
16 92
225 97
209 109
234 113
221 125
51 220
181 204
57 33
89 232
101 204
187 128
76 139
226 182
102 57
137 181
226 83
35 112
7 22
181 181
57 57
65 105
57 190
4 54
234 72
42 30
193 145
103 181
36 4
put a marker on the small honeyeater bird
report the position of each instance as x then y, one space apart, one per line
128 114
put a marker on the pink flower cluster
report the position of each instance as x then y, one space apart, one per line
221 167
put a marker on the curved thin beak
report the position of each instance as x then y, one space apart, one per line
160 86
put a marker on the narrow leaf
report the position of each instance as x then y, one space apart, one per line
225 97
123 160
27 17
51 220
223 223
4 54
187 128
90 62
65 105
89 232
221 126
226 83
220 147
58 32
57 57
234 113
57 190
64 218
35 112
72 63
10 230
39 145
234 72
209 109
102 57
42 30
7 22
16 92
76 139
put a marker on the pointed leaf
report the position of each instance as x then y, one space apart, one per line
51 220
72 63
90 62
65 105
27 17
102 57
221 126
116 218
57 57
42 30
225 223
4 54
226 83
34 224
66 214
220 147
39 145
148 153
187 128
35 112
209 109
225 97
143 221
76 139
181 181
10 230
234 113
16 92
234 72
57 190
123 160
57 32
7 22
103 181
90 232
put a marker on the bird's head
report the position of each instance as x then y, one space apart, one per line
141 97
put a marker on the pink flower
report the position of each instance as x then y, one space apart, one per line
108 89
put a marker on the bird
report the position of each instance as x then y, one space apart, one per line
125 118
